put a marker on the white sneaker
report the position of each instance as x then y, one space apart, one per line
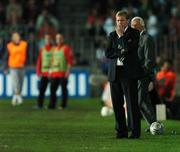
19 100
14 100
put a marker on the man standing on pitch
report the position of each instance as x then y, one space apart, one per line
147 58
123 73
62 61
15 61
43 67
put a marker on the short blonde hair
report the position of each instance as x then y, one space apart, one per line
123 13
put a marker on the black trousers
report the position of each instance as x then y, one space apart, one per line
42 89
128 87
145 103
55 82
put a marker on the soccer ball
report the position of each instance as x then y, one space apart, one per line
105 111
157 128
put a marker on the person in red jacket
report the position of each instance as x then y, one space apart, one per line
166 80
43 68
62 61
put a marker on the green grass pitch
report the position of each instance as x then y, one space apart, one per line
79 128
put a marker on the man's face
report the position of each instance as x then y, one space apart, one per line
16 38
121 22
59 39
136 24
47 39
166 66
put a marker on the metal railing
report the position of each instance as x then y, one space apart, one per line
77 37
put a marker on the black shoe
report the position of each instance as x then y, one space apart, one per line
133 137
120 136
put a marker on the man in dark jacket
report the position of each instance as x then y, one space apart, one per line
123 73
146 55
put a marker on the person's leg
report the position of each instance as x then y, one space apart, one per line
119 111
106 96
42 88
145 105
53 88
131 94
14 77
20 80
108 103
64 83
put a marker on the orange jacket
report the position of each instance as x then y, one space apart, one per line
17 54
166 84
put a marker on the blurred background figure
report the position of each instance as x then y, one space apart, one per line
166 79
152 24
102 61
107 108
108 25
46 18
43 68
62 61
15 60
100 80
13 8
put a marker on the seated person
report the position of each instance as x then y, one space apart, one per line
166 83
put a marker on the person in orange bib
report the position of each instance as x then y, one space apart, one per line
43 68
16 59
62 61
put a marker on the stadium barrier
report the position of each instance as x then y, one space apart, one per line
78 85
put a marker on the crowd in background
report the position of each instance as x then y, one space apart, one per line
32 19
161 16
162 19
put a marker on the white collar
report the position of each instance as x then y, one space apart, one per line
125 29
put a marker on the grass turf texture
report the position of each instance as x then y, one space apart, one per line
80 128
